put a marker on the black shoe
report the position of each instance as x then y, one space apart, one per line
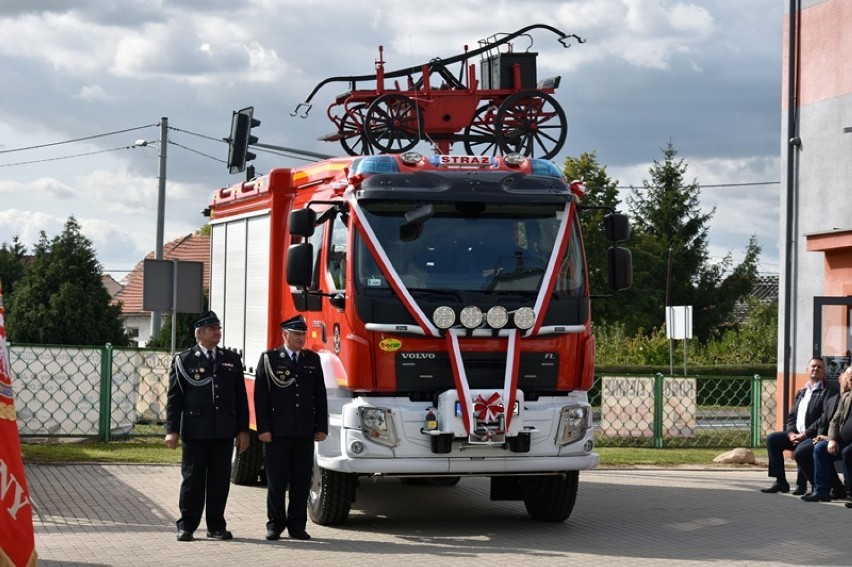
848 504
838 495
816 497
800 490
184 535
273 535
777 487
299 534
221 535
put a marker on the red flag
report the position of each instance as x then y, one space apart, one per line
17 541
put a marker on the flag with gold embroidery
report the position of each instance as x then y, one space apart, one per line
17 540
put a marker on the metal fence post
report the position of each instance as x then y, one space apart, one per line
658 410
105 423
756 410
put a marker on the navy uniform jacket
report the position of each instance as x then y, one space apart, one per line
290 399
206 400
813 412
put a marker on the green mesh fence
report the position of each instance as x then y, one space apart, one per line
104 393
683 411
108 393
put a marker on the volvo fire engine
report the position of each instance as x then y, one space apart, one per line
449 301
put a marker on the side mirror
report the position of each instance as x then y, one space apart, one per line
299 264
302 222
620 268
338 301
616 227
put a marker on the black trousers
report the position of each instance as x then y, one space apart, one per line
776 443
289 461
206 471
804 455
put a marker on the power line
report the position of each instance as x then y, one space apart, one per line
702 186
92 137
206 137
196 151
66 157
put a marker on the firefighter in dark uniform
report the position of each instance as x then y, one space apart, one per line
292 413
207 407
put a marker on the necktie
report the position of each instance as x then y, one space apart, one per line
210 356
295 358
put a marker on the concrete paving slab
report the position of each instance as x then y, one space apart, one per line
123 515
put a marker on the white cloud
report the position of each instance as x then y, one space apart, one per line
95 93
704 74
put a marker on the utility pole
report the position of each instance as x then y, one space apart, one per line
669 315
156 316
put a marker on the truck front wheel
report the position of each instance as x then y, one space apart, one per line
331 497
246 466
550 498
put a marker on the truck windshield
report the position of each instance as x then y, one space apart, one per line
469 247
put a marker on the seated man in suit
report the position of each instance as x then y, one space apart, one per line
804 452
800 426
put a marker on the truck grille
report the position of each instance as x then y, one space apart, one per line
431 371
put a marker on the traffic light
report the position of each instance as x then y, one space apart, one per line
242 122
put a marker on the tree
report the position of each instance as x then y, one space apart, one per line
601 191
670 255
12 267
716 295
184 337
61 300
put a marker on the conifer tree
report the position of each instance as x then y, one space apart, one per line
61 300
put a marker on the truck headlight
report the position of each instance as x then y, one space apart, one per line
471 317
524 318
573 423
444 317
497 317
377 425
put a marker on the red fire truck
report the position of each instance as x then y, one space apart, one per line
448 299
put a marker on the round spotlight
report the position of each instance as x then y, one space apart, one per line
471 317
357 448
411 158
524 318
444 317
497 317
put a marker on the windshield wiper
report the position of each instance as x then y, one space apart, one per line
424 293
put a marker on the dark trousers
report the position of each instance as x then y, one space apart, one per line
804 455
289 461
206 470
776 443
824 465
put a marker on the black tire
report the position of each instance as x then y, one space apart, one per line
331 497
550 498
246 467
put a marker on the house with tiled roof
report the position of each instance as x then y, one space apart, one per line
765 290
112 286
137 321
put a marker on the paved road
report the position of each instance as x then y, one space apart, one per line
123 515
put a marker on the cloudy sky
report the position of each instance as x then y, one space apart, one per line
704 75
